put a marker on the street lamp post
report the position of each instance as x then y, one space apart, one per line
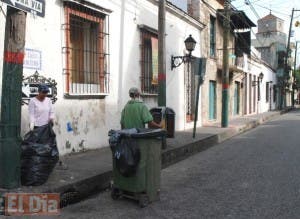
287 70
254 83
190 45
294 75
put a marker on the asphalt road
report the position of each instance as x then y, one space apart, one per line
254 175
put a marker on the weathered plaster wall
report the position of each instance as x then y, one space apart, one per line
247 91
84 124
255 68
208 9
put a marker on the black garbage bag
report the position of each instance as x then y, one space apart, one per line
127 156
39 155
126 152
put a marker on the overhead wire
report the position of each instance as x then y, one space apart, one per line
243 39
269 9
246 4
258 17
2 11
253 9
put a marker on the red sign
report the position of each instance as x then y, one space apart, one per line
20 204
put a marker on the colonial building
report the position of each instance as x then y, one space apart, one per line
95 51
271 43
247 96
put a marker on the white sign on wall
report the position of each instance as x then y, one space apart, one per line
33 59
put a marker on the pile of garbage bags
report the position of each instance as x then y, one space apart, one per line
39 155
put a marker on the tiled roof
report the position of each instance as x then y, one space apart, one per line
269 17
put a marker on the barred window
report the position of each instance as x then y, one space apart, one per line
274 93
87 61
267 91
212 36
149 62
189 81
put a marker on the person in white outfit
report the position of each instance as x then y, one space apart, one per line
40 108
41 113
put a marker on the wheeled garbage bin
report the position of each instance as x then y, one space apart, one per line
168 114
144 185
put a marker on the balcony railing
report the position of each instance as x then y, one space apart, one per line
235 62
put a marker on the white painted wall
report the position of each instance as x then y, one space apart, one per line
255 68
269 75
177 32
2 33
92 119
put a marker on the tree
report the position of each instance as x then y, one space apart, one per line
297 77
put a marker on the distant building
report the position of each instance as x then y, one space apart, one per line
245 96
271 41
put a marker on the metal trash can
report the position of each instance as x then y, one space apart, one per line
144 186
168 114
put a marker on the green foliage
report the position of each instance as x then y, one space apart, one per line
297 75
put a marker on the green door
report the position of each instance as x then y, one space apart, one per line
236 104
212 100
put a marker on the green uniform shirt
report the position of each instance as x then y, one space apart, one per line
135 115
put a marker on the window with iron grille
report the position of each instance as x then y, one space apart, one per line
267 91
86 51
255 88
149 62
190 99
212 38
274 93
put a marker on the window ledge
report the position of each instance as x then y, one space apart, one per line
85 96
149 95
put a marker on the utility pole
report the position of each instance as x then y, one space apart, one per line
294 75
286 72
10 139
225 75
162 53
201 64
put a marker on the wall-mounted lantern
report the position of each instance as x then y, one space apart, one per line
254 83
190 45
260 78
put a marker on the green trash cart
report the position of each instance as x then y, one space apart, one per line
144 186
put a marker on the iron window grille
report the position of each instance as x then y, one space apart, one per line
212 36
86 51
274 93
189 80
149 62
267 91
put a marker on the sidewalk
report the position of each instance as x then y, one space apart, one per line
91 171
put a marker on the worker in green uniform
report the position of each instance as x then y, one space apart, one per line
135 114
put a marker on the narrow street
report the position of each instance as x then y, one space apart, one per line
254 175
220 79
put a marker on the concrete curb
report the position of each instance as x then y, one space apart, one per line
79 190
